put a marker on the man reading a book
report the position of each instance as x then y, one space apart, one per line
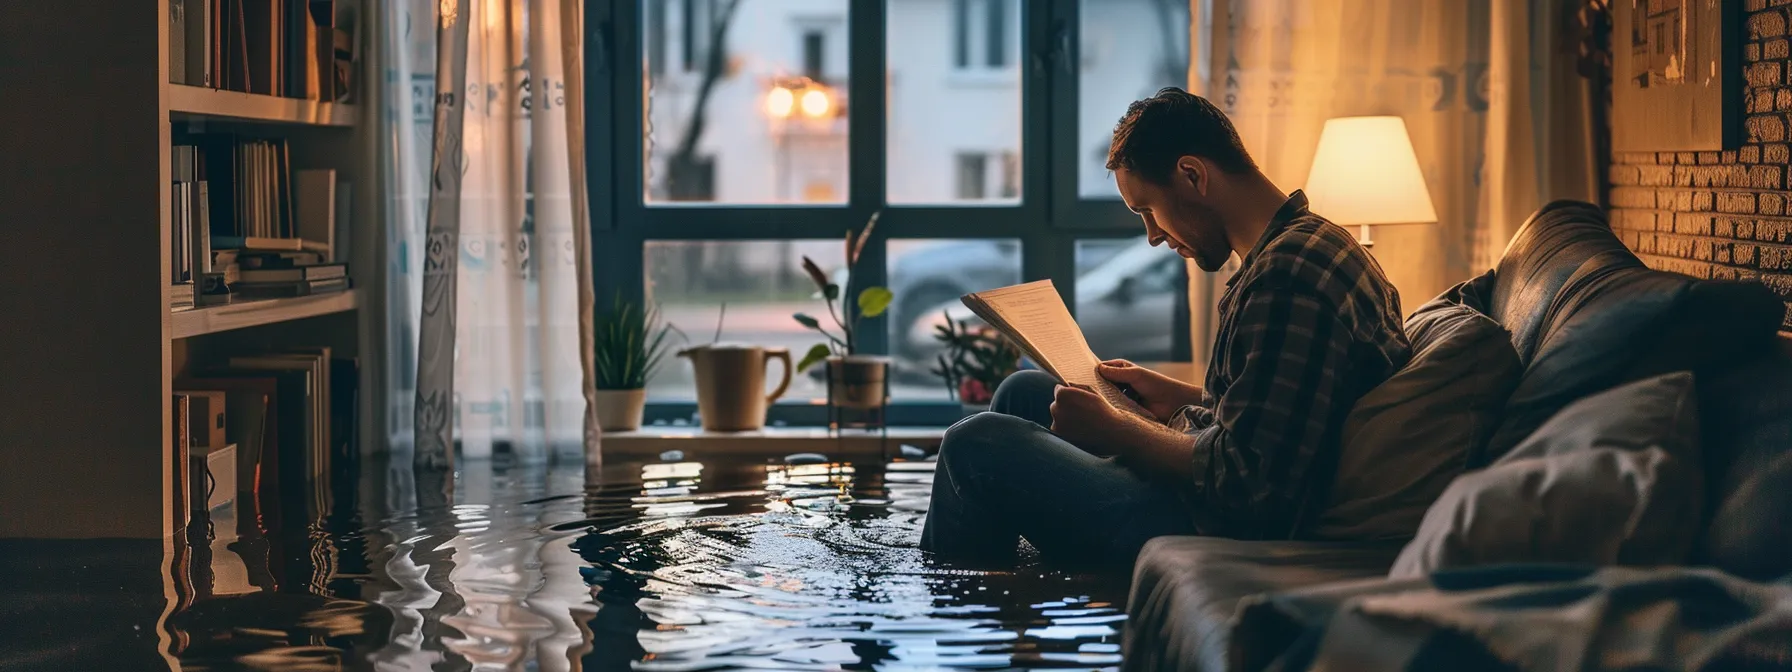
1308 324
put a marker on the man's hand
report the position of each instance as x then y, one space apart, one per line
1158 393
1082 417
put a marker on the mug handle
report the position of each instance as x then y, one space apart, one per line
783 355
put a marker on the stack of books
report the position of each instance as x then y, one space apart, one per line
253 273
247 226
289 48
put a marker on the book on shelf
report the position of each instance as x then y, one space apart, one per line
294 274
314 204
303 376
345 381
246 183
261 244
347 56
181 296
200 16
179 507
345 212
246 258
249 424
287 290
285 48
177 41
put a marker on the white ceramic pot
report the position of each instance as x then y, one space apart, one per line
620 410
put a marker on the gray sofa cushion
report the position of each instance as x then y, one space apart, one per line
1746 416
1408 438
1185 590
1615 478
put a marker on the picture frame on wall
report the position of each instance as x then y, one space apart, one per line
1676 75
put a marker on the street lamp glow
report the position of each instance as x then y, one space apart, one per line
779 102
816 103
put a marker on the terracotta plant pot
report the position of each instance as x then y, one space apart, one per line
620 410
857 381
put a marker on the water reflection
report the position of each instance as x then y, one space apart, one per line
657 566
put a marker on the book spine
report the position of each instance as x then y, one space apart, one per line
177 41
200 55
202 225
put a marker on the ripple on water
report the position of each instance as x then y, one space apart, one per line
669 565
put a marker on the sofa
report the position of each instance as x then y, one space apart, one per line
1585 316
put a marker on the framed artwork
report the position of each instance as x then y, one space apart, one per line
1676 75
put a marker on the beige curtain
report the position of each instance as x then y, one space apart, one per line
1280 68
1540 134
1499 117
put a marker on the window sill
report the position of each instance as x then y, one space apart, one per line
772 442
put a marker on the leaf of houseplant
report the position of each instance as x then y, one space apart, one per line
816 354
814 271
874 301
807 321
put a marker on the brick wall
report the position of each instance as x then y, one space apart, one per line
1722 214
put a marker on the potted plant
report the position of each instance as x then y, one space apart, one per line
975 362
628 343
854 380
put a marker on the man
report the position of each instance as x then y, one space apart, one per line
1307 325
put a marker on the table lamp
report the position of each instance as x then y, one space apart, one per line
1365 173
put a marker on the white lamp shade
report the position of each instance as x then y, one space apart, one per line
1365 172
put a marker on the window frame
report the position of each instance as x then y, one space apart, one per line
1048 219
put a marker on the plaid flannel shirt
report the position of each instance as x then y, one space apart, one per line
1307 326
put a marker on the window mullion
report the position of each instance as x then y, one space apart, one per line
866 155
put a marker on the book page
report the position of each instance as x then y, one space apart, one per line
1035 317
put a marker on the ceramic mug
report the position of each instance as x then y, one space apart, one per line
731 393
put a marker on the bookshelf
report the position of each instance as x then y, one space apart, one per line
204 320
97 352
193 103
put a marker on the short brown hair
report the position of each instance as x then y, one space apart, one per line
1157 131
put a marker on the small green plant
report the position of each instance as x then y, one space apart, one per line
976 360
629 344
871 302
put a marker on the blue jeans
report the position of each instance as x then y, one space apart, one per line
1003 475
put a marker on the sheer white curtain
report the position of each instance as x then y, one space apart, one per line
488 239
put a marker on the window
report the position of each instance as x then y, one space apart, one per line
927 277
759 124
948 129
1127 298
1129 50
972 175
813 54
761 284
980 30
742 135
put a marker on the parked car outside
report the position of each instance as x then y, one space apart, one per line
1126 306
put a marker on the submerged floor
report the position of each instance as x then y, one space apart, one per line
672 565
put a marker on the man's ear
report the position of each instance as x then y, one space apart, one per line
1193 171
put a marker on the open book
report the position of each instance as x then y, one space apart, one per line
1036 319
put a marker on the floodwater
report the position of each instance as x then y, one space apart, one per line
667 565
